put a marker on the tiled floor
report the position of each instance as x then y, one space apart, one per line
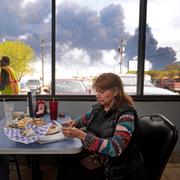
49 168
49 173
172 172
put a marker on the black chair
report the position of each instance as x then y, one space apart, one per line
158 137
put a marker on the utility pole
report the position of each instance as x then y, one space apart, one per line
121 50
42 59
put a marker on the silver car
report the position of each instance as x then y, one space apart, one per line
70 87
130 85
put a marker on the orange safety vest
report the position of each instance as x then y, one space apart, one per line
12 79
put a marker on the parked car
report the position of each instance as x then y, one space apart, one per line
172 84
34 85
130 86
70 87
23 88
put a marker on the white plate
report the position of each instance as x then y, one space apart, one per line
51 138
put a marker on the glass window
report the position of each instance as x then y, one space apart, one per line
162 45
95 37
92 37
25 37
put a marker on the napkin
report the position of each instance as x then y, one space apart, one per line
37 132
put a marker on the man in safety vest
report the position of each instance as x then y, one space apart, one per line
8 81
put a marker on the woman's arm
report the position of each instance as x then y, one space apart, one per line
83 120
115 145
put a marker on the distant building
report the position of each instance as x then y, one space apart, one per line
132 65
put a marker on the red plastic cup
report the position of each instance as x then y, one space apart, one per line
53 107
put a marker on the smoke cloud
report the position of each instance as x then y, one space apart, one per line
81 31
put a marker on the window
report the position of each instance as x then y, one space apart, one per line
95 37
163 42
75 41
25 36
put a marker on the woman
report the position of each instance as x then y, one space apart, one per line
108 133
8 80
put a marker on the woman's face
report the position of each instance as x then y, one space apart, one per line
105 97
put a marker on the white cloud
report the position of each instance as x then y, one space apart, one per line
163 17
26 1
74 56
108 57
131 13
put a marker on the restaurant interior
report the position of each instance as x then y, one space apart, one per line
66 45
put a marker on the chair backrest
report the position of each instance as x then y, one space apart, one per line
158 137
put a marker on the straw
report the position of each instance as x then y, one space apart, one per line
4 101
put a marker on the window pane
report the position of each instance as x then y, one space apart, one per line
95 37
25 37
162 46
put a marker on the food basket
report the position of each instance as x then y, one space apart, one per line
36 133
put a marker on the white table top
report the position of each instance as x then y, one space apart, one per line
66 146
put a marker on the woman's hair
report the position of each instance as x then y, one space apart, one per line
5 61
112 81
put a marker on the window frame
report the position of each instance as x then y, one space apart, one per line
140 71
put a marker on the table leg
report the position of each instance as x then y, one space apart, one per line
4 167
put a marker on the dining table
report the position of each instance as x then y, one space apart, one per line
60 147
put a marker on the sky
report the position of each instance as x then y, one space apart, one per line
31 22
164 19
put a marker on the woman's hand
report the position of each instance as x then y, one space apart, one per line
69 123
73 132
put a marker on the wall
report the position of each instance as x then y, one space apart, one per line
171 110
